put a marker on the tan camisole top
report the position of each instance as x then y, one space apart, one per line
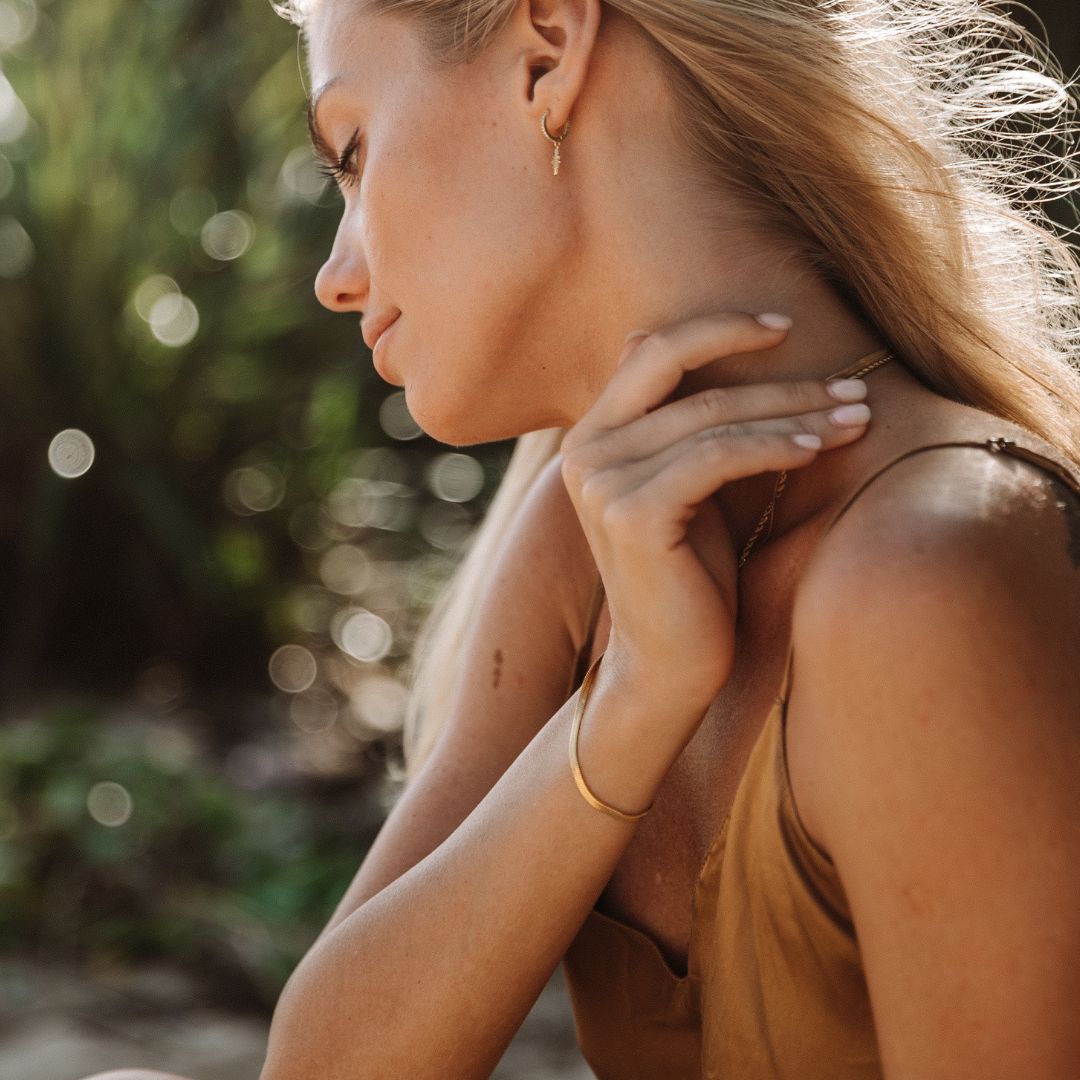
774 988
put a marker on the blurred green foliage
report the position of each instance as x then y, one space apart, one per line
171 859
172 223
254 485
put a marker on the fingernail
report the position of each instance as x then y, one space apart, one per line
807 441
636 333
846 389
774 321
850 415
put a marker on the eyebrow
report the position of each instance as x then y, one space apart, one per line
322 147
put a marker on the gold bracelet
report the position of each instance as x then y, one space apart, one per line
590 798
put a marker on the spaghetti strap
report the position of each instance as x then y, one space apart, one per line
997 444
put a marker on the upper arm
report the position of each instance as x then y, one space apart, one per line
515 667
936 730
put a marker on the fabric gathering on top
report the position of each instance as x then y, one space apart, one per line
774 987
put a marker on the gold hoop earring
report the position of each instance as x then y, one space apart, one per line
556 139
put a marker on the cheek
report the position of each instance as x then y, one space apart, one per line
471 211
465 249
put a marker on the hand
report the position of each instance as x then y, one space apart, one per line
641 474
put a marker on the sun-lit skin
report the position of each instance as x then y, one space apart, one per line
929 737
517 287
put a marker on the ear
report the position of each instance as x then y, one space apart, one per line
554 40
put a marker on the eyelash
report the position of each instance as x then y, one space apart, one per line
343 171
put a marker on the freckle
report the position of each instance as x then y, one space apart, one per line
497 676
519 679
916 900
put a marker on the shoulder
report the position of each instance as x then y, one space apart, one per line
957 554
934 743
938 509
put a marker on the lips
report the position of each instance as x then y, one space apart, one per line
374 329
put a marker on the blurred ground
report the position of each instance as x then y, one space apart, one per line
56 1024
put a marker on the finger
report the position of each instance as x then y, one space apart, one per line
653 366
671 423
692 477
634 473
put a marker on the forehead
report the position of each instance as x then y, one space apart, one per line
347 42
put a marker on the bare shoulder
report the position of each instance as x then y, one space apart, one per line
945 542
933 735
949 498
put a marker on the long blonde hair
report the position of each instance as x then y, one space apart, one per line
905 149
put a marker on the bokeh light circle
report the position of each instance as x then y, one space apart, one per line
109 803
362 634
345 569
254 489
16 249
14 119
152 289
293 669
314 710
71 453
446 526
456 477
396 420
174 320
301 178
17 21
228 235
380 702
352 502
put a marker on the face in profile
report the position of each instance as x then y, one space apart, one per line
451 217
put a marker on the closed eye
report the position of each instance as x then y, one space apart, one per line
342 170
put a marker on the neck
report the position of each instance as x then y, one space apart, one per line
812 493
666 269
826 340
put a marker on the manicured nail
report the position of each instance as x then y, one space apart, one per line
850 415
806 441
774 321
846 389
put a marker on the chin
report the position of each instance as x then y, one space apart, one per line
469 426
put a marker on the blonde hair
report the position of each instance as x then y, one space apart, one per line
904 149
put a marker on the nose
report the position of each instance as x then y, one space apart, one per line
342 283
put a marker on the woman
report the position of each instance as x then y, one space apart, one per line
861 864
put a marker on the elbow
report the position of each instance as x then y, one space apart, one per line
293 1050
313 1036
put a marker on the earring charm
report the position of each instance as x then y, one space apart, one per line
556 139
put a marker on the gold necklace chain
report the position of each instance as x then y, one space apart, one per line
882 356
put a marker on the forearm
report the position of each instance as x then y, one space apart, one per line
434 974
